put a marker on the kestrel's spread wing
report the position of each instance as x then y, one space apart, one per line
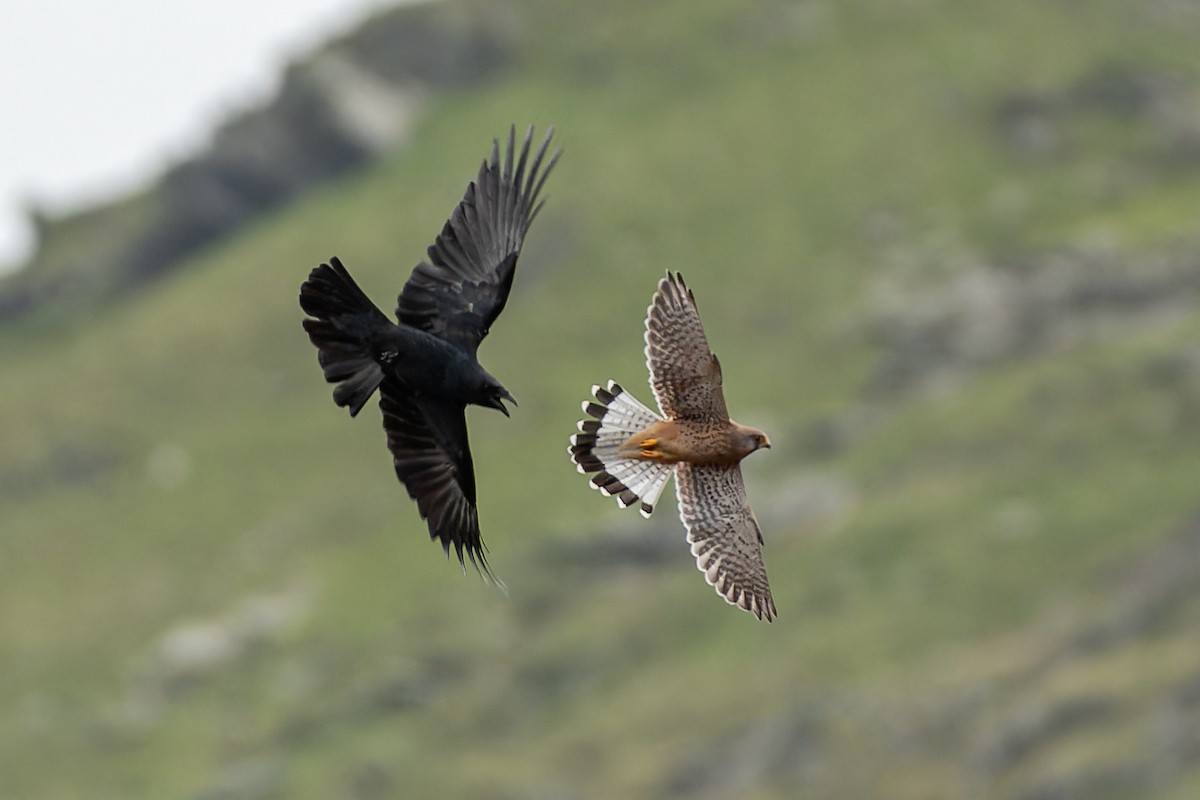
460 291
684 373
724 535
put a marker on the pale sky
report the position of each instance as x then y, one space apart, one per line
98 96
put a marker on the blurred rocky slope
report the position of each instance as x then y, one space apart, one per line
336 110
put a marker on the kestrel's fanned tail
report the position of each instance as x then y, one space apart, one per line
617 415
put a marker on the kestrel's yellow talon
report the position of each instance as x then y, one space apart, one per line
649 448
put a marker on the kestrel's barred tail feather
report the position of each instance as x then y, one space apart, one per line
617 415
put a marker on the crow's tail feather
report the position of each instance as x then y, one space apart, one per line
345 319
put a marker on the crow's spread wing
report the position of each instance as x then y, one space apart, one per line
428 440
460 291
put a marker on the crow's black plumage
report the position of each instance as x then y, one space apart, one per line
425 367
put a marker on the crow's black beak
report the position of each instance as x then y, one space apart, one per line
497 402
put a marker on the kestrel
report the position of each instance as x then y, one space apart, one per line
425 367
633 451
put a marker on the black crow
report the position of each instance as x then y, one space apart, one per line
425 367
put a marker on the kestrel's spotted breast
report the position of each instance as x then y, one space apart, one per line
634 451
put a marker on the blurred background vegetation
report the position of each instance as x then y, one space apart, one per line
947 252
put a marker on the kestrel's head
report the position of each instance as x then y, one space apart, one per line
748 439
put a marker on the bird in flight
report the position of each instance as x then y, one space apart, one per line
633 451
425 365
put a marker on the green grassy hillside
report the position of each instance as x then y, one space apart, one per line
945 252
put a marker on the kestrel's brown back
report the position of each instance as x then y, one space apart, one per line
633 451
